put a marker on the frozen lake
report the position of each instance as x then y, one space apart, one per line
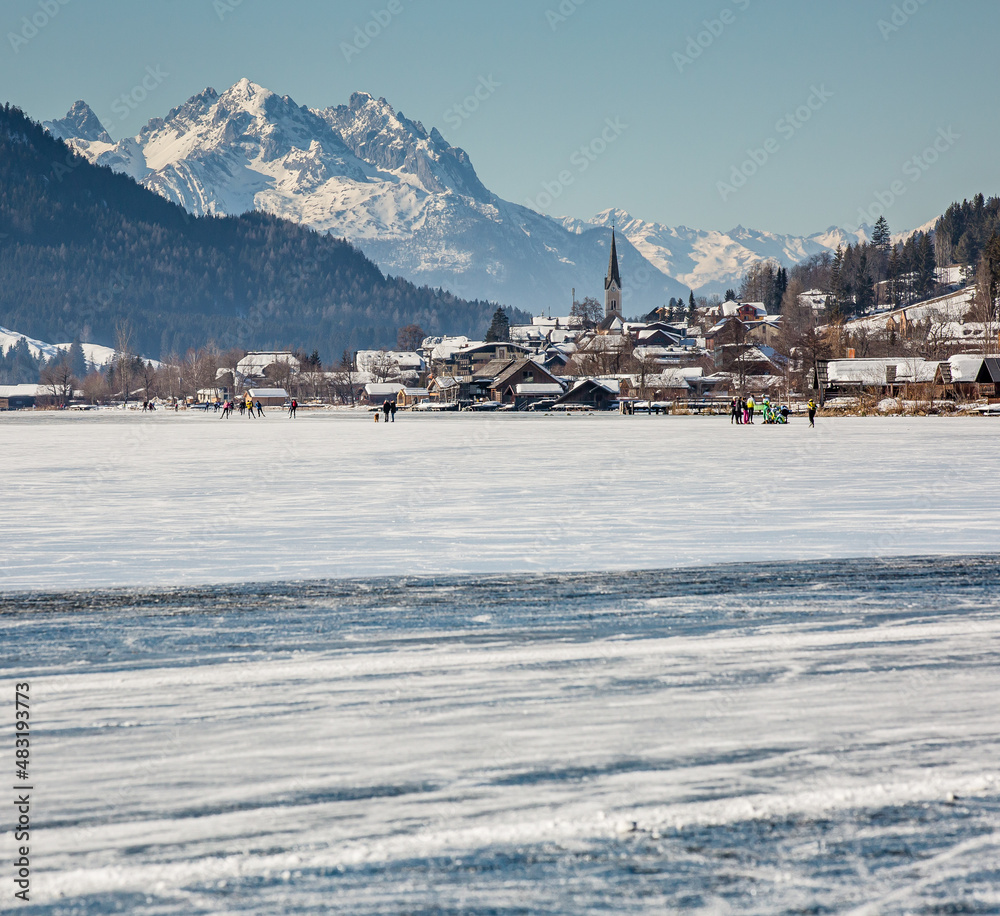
771 688
776 740
104 499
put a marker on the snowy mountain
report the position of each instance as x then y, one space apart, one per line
413 203
363 171
95 354
709 260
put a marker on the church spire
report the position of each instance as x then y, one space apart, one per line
613 283
613 264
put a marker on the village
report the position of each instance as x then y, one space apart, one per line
930 356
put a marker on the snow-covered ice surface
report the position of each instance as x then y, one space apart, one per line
113 498
472 728
783 739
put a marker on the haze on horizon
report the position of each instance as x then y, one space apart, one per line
780 116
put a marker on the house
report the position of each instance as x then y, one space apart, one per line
255 365
597 394
989 376
409 364
378 392
269 397
18 397
957 375
409 397
466 361
888 374
522 381
445 389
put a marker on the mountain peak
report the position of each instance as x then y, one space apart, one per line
247 95
80 123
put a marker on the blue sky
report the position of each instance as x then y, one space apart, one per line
773 114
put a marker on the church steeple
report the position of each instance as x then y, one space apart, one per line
613 283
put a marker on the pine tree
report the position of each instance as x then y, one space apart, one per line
881 238
691 305
500 326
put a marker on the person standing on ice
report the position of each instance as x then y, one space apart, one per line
750 407
385 410
734 411
812 412
248 404
392 410
292 407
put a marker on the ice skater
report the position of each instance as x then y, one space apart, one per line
811 406
248 405
292 407
260 410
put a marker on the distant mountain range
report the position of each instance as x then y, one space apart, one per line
413 203
87 252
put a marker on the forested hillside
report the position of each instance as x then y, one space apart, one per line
83 249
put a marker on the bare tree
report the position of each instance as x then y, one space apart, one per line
382 367
58 379
344 379
590 311
410 338
95 387
124 357
984 303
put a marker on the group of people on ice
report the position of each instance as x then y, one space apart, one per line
247 406
743 409
389 410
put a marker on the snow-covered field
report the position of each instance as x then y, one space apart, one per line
107 498
747 726
713 740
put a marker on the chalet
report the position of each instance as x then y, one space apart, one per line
957 375
18 397
255 365
269 397
597 394
410 397
378 392
989 376
890 374
466 361
522 381
445 389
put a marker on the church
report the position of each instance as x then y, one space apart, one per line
612 322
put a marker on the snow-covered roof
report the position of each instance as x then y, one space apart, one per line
383 389
268 393
21 391
730 307
872 371
965 366
538 388
255 363
415 392
405 359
